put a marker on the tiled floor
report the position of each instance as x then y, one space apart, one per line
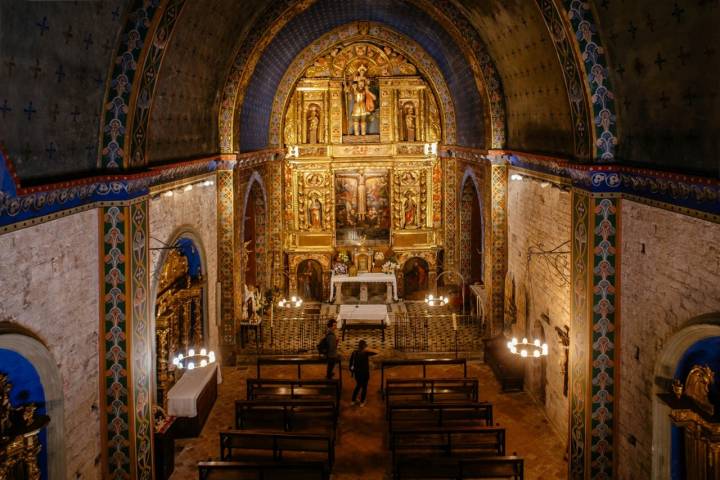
361 450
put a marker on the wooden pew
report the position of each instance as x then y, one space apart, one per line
239 445
418 415
456 442
280 389
298 361
431 390
510 467
286 414
495 467
262 471
423 362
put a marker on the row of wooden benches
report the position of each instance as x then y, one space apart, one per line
447 434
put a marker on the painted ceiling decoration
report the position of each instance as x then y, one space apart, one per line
119 89
572 76
358 31
245 59
597 77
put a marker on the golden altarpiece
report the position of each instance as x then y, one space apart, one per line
179 318
362 173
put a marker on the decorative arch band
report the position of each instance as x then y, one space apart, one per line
363 31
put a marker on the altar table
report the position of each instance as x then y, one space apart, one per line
362 316
192 398
364 279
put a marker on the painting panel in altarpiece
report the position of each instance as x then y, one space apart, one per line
362 208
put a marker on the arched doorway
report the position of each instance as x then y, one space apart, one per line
35 379
180 319
471 231
415 278
309 280
254 235
681 350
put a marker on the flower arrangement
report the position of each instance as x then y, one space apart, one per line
340 269
343 257
390 267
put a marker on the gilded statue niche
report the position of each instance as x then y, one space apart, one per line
361 92
178 317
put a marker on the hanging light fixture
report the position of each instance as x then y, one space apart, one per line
434 301
534 349
293 302
193 359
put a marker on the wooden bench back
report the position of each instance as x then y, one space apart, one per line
245 445
495 467
262 471
432 389
448 441
315 389
441 414
510 467
286 414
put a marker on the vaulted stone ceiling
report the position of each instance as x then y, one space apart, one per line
661 59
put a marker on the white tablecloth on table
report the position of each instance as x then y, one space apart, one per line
363 314
364 278
182 397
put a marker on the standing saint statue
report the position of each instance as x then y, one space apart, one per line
363 101
410 209
409 122
315 213
313 125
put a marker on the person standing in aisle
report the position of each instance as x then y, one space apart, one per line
331 342
360 369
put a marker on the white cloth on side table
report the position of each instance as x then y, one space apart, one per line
363 314
182 397
364 278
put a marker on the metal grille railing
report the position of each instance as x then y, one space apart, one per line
436 333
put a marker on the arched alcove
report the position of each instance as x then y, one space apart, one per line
309 280
254 234
180 318
666 368
471 230
415 278
36 379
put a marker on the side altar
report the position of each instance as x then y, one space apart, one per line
361 129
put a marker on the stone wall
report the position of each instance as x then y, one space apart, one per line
192 214
670 273
49 285
539 219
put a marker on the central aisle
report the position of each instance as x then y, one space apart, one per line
361 453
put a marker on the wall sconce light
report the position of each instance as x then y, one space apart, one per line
516 177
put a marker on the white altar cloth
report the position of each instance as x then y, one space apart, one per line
182 397
363 314
364 278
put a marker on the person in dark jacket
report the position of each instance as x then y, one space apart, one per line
332 342
360 369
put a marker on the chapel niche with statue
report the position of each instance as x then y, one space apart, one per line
362 174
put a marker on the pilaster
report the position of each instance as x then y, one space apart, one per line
125 352
498 211
594 329
226 253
